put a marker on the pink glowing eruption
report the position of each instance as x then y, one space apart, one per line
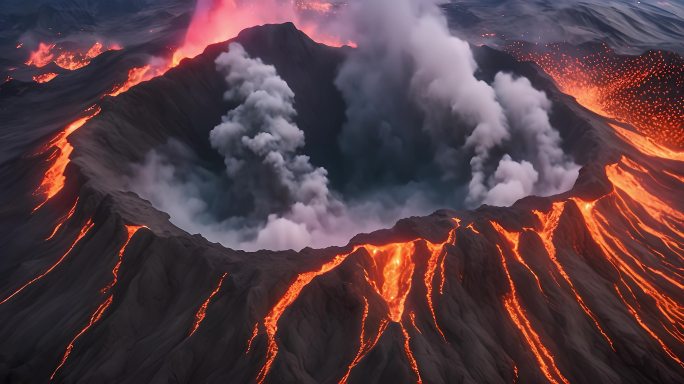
219 20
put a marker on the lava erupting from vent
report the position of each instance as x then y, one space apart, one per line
219 20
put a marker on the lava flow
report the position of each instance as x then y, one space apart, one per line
389 274
54 178
71 60
202 311
84 230
620 87
102 308
44 78
63 220
549 223
643 218
518 316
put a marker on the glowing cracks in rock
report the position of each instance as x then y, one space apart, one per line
518 316
202 311
88 225
102 308
549 223
389 274
63 220
293 291
61 149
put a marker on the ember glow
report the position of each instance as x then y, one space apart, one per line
644 218
389 275
63 220
519 317
621 87
84 230
104 305
549 223
215 21
136 76
71 60
42 56
202 311
60 149
44 78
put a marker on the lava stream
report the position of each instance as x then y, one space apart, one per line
88 225
436 251
54 178
513 240
293 291
389 274
71 60
44 77
549 223
202 311
517 314
63 220
409 354
97 314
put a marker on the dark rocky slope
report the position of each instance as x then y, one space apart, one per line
145 333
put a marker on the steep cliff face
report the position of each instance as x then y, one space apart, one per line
98 286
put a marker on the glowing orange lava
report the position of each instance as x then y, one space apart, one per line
620 87
363 345
94 318
71 60
97 314
549 223
54 178
255 332
637 207
647 146
389 274
202 311
436 251
517 314
88 225
293 291
63 220
513 240
409 354
136 76
44 78
41 56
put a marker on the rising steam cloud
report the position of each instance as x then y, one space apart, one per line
422 133
408 72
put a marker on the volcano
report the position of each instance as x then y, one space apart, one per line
99 285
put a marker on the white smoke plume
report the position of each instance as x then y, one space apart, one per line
422 133
286 200
406 45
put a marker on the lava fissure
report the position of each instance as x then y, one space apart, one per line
84 230
202 311
102 308
54 178
547 363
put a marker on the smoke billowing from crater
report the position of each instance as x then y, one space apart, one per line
422 132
